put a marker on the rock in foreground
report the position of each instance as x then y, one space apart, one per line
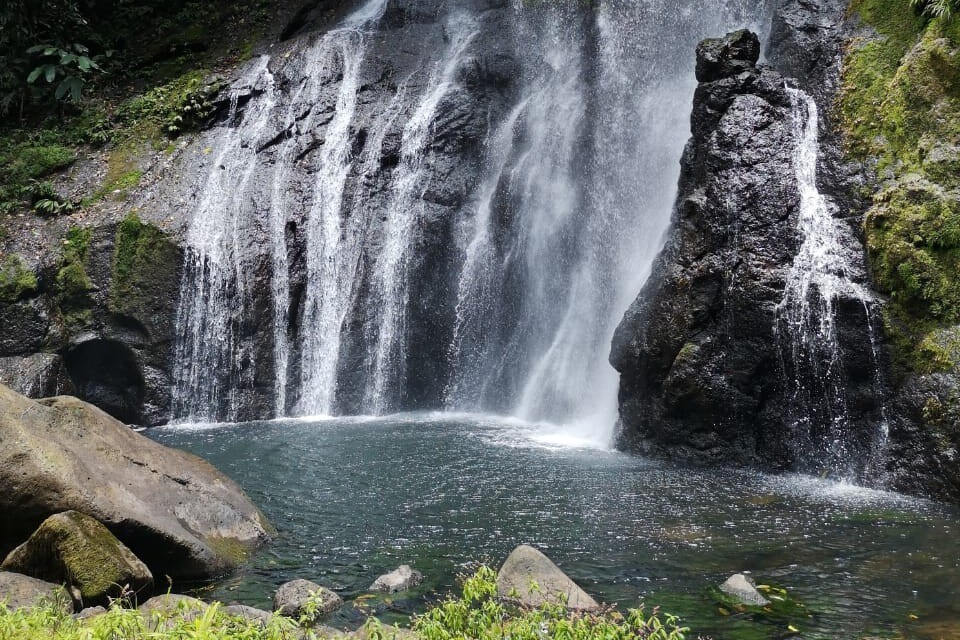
292 600
402 578
177 513
526 566
74 549
19 591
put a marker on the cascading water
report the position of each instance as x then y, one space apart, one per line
213 291
550 240
823 271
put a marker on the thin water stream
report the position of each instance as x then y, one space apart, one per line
353 498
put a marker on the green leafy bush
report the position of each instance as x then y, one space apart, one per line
477 615
480 614
176 107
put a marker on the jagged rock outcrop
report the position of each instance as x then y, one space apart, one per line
700 354
177 513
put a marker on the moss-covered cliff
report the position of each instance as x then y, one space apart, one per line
900 110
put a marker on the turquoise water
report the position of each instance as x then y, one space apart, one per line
353 498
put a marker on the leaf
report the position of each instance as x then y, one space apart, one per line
49 72
62 89
84 63
34 75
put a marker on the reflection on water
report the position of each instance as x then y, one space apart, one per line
353 498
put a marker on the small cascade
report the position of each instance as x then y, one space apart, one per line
210 369
387 358
332 250
825 271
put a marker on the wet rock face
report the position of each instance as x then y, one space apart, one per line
696 350
702 367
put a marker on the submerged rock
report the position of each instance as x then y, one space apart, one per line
292 600
742 588
532 578
177 513
75 549
400 579
20 591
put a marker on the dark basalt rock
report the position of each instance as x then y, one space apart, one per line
719 58
702 377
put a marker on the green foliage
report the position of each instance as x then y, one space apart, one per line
173 108
139 250
16 279
935 8
900 109
22 165
72 286
479 614
67 67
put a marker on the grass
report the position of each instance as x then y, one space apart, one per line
477 614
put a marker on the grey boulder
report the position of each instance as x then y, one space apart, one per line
177 513
742 588
533 579
402 578
19 591
292 600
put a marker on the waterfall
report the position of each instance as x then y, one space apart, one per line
209 372
824 271
305 285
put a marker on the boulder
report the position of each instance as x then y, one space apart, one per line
250 614
75 549
90 612
177 513
526 567
170 605
18 591
402 578
292 598
742 588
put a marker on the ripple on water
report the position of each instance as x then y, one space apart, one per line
355 497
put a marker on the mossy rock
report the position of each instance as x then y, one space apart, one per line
144 261
72 286
75 549
16 279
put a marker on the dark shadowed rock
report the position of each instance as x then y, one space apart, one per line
40 375
526 566
702 368
74 549
20 591
292 600
177 513
718 58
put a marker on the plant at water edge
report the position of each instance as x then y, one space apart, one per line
479 613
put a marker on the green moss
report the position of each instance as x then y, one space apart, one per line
16 279
900 110
140 252
178 106
72 286
233 551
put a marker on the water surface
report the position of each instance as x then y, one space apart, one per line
353 498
